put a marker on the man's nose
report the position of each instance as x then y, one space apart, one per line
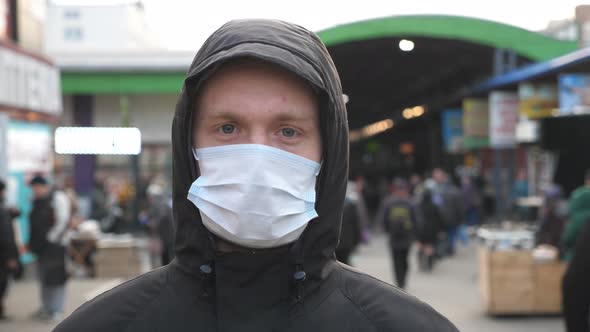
259 136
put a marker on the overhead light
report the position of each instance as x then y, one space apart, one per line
413 112
406 45
418 111
407 113
371 130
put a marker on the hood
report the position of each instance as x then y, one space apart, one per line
301 52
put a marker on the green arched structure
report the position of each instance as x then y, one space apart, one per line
526 43
532 45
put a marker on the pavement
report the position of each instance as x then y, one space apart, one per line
452 289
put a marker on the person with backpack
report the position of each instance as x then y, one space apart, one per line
399 220
49 223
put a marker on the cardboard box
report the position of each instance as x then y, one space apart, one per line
506 281
548 278
511 282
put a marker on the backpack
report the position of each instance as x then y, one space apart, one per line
400 221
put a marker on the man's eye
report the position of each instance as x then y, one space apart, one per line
227 129
288 132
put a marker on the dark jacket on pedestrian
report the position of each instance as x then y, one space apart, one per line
8 248
576 289
449 200
431 223
399 220
298 287
51 255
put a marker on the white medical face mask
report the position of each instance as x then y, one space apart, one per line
254 195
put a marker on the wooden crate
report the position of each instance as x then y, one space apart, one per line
548 287
506 281
511 282
118 262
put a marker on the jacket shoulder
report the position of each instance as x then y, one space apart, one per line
116 309
389 308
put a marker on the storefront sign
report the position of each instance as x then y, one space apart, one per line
28 83
452 122
574 94
476 125
504 108
29 147
537 100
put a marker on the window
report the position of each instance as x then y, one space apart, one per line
73 34
71 14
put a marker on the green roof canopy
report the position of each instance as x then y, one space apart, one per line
530 44
526 43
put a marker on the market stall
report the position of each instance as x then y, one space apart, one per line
515 277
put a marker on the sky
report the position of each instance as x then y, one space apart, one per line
185 24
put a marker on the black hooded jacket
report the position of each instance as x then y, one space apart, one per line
300 287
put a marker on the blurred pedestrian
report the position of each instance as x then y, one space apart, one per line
260 156
431 225
8 248
49 223
416 187
449 200
579 215
399 220
575 285
520 189
159 222
351 231
98 201
553 217
472 200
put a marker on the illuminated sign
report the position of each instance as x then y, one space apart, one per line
97 140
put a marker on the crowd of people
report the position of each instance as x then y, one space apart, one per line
55 219
432 213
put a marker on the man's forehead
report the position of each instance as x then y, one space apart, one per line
247 67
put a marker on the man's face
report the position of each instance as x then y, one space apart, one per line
249 102
439 175
40 190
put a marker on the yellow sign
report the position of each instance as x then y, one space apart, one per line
537 100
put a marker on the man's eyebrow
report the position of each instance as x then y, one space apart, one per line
281 115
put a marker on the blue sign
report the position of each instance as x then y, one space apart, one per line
574 93
452 130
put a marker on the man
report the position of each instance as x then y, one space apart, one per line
49 221
449 200
579 215
8 248
575 287
260 143
399 220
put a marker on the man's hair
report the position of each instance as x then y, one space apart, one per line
38 179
